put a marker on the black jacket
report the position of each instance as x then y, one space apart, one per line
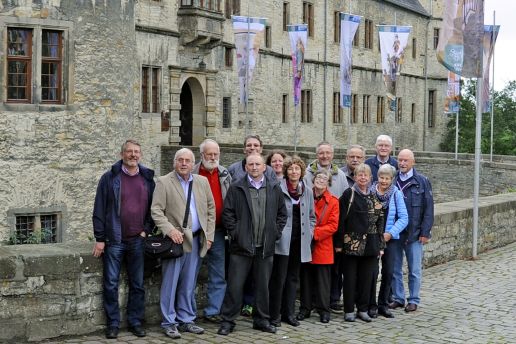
238 219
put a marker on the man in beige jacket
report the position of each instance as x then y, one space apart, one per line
168 211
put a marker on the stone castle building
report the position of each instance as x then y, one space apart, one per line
79 77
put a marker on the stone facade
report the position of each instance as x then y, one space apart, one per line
54 154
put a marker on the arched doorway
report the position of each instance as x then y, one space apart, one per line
192 113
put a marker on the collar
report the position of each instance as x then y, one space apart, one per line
407 176
202 168
381 161
255 184
181 179
126 171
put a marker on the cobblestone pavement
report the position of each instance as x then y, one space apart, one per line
462 302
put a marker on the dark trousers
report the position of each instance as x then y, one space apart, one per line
239 268
358 275
284 281
372 298
315 287
387 271
336 278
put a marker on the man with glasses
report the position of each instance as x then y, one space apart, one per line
355 155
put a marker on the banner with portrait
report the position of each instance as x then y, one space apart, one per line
393 41
248 37
348 27
298 35
452 100
460 43
490 35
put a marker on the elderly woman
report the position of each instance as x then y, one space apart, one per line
393 205
275 159
315 276
360 236
293 248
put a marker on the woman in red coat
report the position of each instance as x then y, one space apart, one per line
315 276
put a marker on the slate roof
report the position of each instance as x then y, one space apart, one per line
411 5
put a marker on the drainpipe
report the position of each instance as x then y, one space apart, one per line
425 105
325 65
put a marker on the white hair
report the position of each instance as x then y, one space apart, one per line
383 138
205 142
183 151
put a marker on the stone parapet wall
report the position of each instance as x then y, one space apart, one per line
55 290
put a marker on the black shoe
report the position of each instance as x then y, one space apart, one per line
373 313
386 312
137 330
111 332
225 329
265 327
290 320
325 317
302 315
275 323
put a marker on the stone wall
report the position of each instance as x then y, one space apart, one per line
54 290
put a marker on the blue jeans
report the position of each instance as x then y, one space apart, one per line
216 274
414 255
132 252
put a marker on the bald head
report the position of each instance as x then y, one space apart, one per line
406 160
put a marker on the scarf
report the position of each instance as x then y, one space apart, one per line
385 198
357 189
295 193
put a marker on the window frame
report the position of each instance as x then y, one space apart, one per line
414 48
268 36
226 112
380 109
286 15
354 108
284 107
413 113
336 27
431 108
337 109
37 214
437 33
306 106
308 17
228 57
150 99
365 108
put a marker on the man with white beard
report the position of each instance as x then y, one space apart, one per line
219 179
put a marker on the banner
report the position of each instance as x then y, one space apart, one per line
348 27
298 36
452 101
490 35
460 43
393 40
248 37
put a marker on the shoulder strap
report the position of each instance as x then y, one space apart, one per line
322 214
187 209
351 200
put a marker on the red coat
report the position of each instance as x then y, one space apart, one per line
325 228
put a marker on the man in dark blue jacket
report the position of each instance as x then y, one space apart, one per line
417 192
383 155
121 220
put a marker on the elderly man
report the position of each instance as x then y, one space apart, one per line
383 155
219 179
121 219
420 207
252 145
355 155
254 215
169 209
338 184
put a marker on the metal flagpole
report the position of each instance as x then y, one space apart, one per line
478 152
395 105
457 123
492 87
295 127
247 89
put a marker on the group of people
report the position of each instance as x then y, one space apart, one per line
266 228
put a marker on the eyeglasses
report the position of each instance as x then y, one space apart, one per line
321 178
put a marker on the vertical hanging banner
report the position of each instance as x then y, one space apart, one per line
490 35
298 37
452 101
460 43
248 36
348 27
393 40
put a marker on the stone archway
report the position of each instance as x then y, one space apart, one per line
193 113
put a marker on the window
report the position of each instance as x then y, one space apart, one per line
286 15
413 113
431 108
268 37
228 56
226 112
436 37
380 110
365 109
150 92
356 39
306 106
308 17
414 46
337 110
354 108
336 27
368 34
43 228
232 7
213 5
399 110
284 108
34 57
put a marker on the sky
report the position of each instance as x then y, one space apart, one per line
505 48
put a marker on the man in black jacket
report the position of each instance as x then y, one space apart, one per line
254 215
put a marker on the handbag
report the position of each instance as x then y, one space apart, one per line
162 247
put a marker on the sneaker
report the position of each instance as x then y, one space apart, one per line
190 327
336 308
215 319
247 311
172 332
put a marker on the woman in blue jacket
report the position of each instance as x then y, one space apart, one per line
397 219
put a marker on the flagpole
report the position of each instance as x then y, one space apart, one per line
478 151
395 104
247 74
492 86
457 122
295 127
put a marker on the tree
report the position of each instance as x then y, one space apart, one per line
504 123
